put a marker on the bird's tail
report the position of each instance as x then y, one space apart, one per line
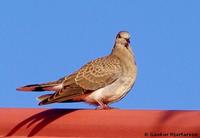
51 86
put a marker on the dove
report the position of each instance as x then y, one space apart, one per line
100 82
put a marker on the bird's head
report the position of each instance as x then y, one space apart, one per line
122 48
123 39
124 35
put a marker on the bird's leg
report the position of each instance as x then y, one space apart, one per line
102 106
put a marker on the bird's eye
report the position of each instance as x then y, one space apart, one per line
118 36
128 40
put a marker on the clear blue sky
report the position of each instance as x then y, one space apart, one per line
44 40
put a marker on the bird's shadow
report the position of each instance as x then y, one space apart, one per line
42 119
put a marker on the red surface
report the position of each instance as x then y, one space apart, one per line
115 123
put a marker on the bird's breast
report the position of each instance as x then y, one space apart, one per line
112 92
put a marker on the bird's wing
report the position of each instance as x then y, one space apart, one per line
94 75
99 73
69 90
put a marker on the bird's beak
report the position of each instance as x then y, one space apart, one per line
127 45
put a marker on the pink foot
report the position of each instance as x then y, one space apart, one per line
103 107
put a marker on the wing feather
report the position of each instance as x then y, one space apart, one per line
99 73
94 75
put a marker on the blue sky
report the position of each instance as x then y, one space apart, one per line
42 41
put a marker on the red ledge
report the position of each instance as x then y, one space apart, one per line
43 123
